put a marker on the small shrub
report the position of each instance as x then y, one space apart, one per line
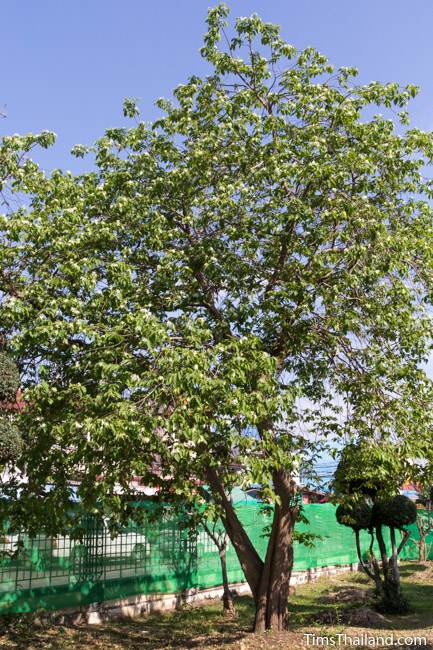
11 443
9 378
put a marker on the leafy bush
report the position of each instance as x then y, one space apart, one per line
9 378
11 443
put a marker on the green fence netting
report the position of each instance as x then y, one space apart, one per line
51 573
411 550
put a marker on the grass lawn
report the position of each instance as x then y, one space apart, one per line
328 607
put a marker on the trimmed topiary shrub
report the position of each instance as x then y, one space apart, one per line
397 512
371 471
356 516
9 378
11 443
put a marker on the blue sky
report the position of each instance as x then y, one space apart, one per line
66 66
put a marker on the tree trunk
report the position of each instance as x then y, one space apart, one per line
269 581
271 604
372 569
393 600
375 566
382 549
424 527
422 547
262 598
220 542
394 573
278 592
228 606
387 575
248 557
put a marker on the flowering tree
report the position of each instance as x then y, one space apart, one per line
197 305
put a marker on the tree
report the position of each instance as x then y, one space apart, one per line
208 518
424 524
367 481
203 304
217 533
424 521
396 513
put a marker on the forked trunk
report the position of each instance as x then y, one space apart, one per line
371 568
271 602
422 548
392 598
269 581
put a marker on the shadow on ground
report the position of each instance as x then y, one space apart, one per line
195 627
328 606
